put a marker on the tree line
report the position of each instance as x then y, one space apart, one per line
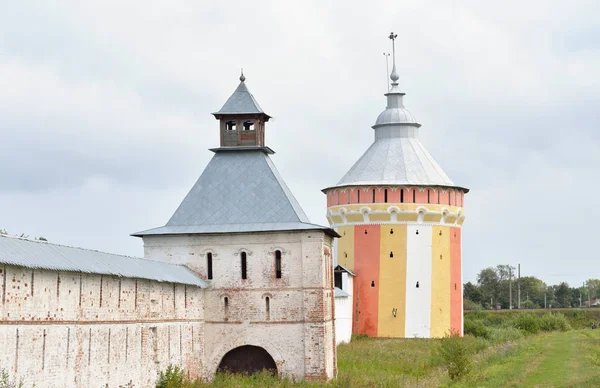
493 290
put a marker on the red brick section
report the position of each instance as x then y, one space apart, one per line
366 285
455 281
337 197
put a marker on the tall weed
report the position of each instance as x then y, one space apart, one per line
457 354
554 322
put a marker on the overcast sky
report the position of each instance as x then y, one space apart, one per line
105 112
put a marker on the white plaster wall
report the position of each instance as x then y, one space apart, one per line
418 269
77 330
299 328
343 319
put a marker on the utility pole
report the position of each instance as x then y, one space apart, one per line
510 287
519 289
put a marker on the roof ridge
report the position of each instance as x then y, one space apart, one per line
85 249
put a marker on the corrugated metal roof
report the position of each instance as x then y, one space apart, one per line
341 268
239 191
241 102
44 255
339 293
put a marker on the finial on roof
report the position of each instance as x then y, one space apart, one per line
242 77
394 76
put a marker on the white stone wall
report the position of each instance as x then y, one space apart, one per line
343 311
65 329
418 269
298 331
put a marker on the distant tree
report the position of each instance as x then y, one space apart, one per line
533 289
489 285
528 304
563 295
594 288
472 292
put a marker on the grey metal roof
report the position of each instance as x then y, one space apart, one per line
44 255
239 191
341 268
241 102
339 293
396 157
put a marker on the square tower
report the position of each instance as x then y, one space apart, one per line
270 299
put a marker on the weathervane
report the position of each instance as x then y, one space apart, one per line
394 76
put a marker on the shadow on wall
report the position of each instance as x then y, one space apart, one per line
247 360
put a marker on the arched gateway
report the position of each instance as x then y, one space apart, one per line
249 360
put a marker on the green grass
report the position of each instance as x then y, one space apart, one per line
577 318
365 362
559 359
509 352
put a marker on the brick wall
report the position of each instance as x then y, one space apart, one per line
297 331
70 329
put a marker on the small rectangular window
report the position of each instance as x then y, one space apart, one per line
244 272
358 196
278 264
401 195
373 195
415 196
385 196
209 266
428 196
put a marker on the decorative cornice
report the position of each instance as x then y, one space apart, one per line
394 214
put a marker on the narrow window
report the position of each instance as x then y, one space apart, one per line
358 196
226 306
415 196
417 284
449 203
244 269
373 195
428 196
438 196
348 196
230 125
248 125
385 196
278 264
209 265
372 283
402 196
268 307
391 255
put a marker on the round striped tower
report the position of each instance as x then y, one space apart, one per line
400 219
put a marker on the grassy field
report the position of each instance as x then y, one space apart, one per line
565 359
505 349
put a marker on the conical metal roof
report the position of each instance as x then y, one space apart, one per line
397 156
241 101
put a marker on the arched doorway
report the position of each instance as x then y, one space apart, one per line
247 360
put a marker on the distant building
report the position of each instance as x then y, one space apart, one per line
400 220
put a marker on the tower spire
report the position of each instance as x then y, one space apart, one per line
242 76
394 75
